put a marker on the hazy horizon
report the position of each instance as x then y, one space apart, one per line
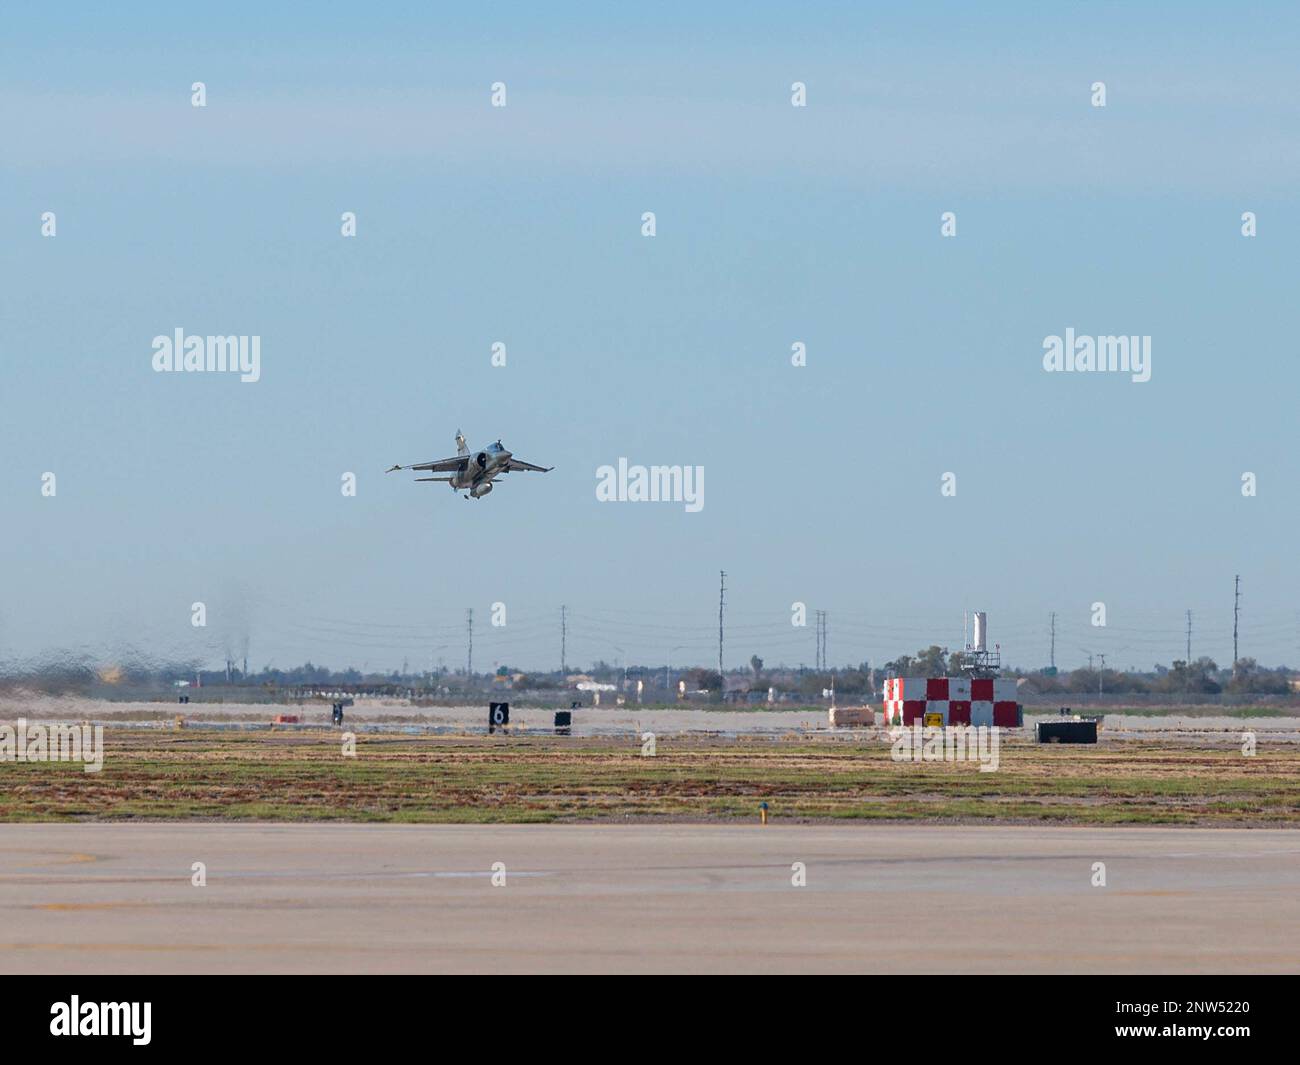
775 225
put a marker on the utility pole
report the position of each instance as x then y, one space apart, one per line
722 598
1053 654
1101 673
564 639
469 652
1236 610
1189 637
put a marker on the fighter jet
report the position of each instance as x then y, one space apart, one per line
473 472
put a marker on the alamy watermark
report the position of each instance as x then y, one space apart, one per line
75 1017
651 484
179 353
1109 354
952 743
53 743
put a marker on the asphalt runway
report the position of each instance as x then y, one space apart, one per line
107 898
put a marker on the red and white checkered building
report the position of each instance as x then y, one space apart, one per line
958 701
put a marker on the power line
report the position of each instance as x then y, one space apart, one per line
1236 611
722 598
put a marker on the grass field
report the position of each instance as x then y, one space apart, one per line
203 774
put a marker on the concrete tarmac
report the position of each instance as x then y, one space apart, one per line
622 721
108 898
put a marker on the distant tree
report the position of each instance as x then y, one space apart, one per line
853 682
1198 678
902 666
1251 678
930 662
1081 680
811 684
701 679
756 664
1040 684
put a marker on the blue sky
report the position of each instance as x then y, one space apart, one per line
775 225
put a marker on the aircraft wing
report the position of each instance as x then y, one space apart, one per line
437 466
516 464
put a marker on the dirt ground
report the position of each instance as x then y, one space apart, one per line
308 774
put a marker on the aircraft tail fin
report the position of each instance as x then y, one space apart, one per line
462 448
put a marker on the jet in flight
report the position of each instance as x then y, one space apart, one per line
472 472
